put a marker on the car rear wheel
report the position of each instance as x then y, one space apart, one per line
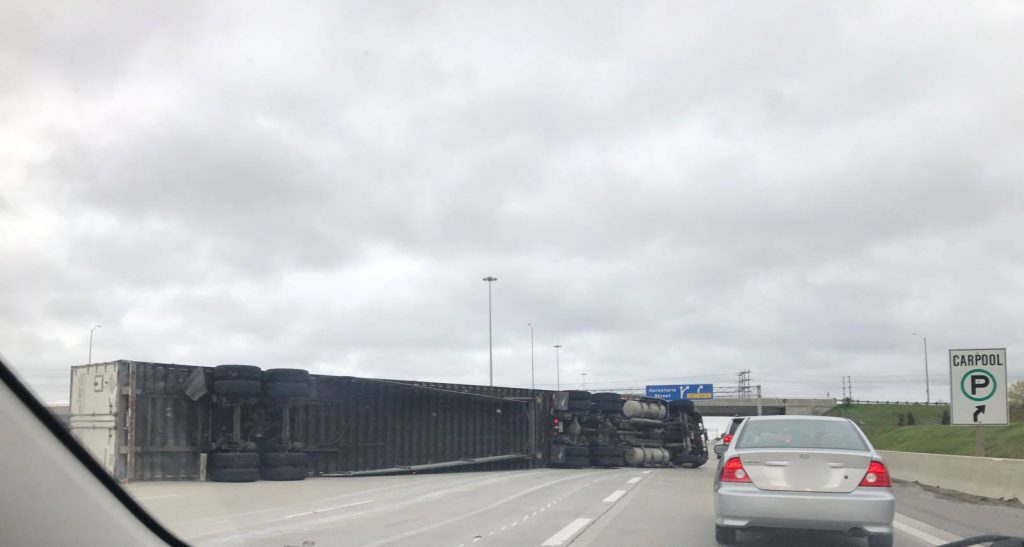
880 540
724 535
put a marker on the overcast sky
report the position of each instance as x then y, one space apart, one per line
673 192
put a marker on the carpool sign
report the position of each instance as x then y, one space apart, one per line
674 392
977 383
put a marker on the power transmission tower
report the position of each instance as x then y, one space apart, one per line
743 384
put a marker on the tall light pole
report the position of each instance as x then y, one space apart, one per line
490 336
558 376
533 384
927 388
90 341
583 382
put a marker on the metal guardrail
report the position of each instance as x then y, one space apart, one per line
908 403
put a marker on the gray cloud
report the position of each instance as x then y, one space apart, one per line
669 190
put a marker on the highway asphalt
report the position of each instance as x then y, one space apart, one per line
543 507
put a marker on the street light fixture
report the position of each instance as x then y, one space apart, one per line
90 341
583 382
558 376
927 387
490 336
533 384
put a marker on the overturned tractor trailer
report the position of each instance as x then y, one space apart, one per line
237 423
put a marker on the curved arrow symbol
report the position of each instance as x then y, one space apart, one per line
980 409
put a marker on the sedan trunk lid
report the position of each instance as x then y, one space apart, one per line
805 470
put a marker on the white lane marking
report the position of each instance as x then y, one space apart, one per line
566 533
527 516
917 529
645 472
927 538
634 480
324 509
614 496
534 513
476 539
503 528
514 523
147 498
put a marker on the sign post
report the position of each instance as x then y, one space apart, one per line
977 385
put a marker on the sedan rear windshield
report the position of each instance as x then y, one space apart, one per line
833 434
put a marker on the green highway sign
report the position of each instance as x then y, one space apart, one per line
977 384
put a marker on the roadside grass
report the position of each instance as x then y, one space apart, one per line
879 423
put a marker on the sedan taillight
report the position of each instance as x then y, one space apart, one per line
733 471
877 475
726 439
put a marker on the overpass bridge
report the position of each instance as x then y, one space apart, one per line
754 406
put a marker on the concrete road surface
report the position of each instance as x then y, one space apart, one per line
544 507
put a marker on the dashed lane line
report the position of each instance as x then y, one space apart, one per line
614 496
567 532
325 509
917 528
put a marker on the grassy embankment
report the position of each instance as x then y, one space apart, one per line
879 423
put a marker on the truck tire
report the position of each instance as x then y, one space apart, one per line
880 540
232 460
577 395
235 474
284 473
607 406
700 462
275 459
610 461
724 535
684 405
578 405
237 372
606 396
286 390
237 387
607 451
577 462
577 452
292 375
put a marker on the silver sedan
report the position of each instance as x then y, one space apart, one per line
803 472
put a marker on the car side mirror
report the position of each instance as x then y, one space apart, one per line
721 448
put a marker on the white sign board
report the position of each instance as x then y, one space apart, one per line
977 385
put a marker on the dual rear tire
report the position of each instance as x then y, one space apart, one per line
284 466
233 466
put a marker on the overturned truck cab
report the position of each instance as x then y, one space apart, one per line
608 429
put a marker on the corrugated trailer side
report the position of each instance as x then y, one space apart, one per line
155 431
361 424
138 420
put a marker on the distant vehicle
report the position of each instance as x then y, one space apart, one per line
803 472
728 435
